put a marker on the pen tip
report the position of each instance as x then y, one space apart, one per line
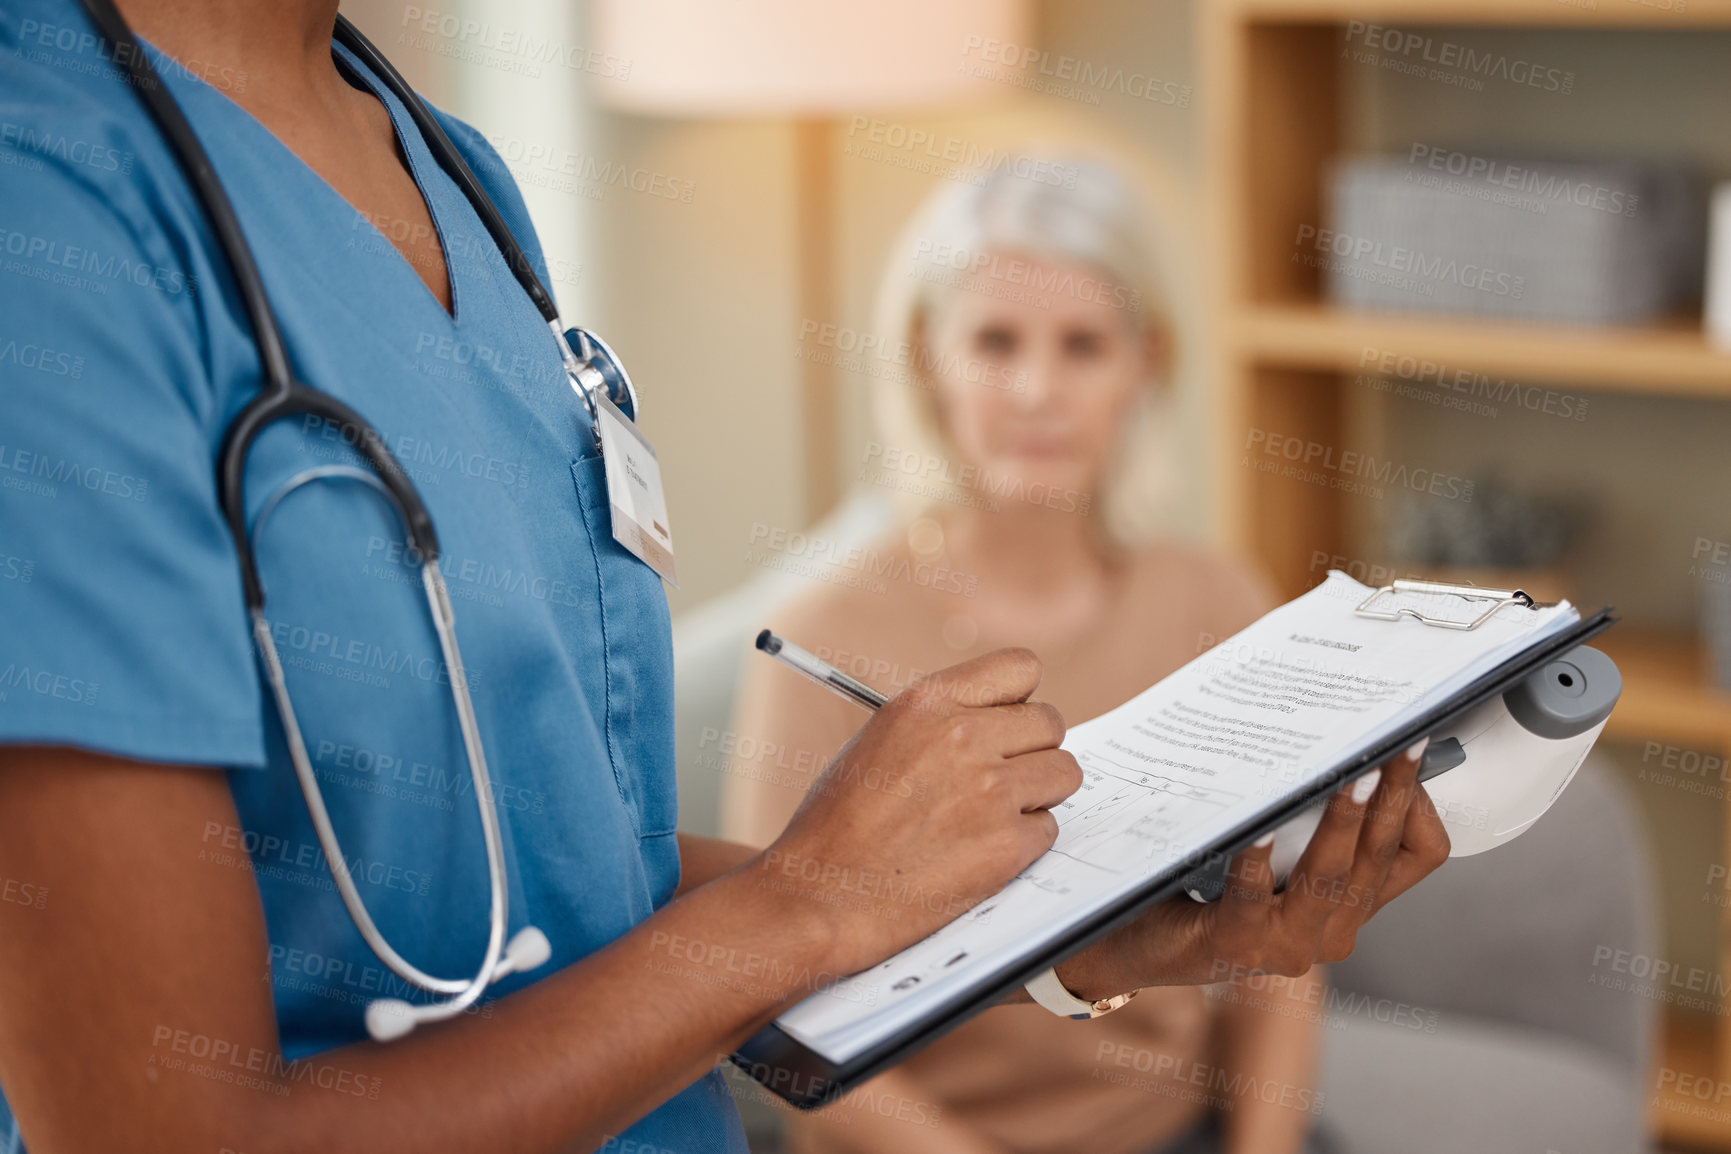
768 642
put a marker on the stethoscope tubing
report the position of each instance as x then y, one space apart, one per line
438 601
282 396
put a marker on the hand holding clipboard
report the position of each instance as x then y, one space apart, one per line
1199 768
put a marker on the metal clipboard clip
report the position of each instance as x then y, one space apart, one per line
1502 598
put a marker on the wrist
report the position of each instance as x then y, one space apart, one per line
801 942
1090 976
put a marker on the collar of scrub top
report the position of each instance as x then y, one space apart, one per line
590 367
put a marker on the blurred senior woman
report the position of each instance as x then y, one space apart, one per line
1028 444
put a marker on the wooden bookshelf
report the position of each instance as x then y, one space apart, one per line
1670 359
1667 695
1282 359
1487 13
1681 1118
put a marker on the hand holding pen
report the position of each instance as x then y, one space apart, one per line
941 798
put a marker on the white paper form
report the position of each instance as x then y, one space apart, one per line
1248 724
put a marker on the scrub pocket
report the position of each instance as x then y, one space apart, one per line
637 641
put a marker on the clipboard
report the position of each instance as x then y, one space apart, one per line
807 1079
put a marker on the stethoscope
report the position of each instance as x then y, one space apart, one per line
590 366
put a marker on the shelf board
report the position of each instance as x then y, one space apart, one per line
1670 359
1508 13
1678 1119
1666 691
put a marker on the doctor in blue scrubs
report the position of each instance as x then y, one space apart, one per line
177 971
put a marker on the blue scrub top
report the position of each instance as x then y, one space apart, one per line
124 354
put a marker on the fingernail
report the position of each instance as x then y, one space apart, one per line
1365 786
1417 748
1264 841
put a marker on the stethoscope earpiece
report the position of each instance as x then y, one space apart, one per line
391 1018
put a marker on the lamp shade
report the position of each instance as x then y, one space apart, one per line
702 58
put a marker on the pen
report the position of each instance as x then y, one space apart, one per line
819 671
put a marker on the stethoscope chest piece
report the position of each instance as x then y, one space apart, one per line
594 368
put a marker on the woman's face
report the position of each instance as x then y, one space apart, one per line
1035 390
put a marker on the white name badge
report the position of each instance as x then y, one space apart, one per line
634 490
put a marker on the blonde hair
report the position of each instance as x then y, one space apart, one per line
1057 207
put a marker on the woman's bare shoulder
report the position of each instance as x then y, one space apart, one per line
1221 587
845 604
882 620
